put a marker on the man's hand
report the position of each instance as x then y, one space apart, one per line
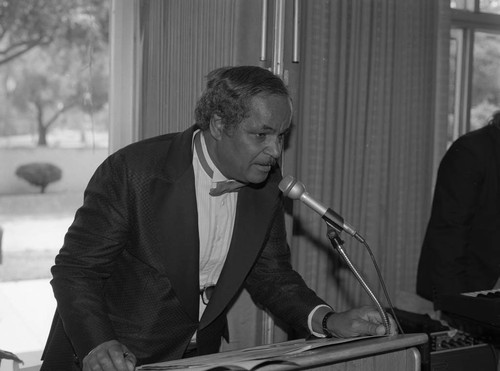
109 356
358 322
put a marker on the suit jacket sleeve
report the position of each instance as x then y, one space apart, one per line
276 285
456 199
97 236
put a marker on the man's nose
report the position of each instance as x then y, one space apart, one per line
274 148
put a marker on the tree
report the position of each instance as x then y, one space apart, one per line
486 84
55 82
486 78
27 24
39 174
60 49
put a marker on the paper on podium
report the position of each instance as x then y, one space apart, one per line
249 358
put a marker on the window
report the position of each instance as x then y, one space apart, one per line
483 6
54 121
474 67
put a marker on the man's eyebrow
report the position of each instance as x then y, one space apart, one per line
267 128
272 129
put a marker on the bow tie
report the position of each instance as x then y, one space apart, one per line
221 187
225 187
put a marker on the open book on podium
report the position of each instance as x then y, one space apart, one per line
287 355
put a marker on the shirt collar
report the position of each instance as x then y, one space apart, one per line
204 158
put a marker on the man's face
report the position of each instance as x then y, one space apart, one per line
248 153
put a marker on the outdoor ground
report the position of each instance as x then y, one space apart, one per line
33 227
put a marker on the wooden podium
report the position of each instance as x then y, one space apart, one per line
399 352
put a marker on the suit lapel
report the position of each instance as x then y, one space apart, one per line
173 199
255 210
175 220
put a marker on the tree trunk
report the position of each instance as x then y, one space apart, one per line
42 129
42 136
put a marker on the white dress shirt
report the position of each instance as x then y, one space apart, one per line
216 215
215 220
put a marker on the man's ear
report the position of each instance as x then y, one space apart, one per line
216 127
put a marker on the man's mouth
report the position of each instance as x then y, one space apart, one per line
266 166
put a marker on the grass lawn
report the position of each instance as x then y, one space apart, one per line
33 229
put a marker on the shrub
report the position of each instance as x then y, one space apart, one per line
39 174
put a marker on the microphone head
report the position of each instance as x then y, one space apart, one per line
291 187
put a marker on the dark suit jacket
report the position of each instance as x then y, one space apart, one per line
129 271
461 249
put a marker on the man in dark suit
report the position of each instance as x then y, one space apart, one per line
156 255
461 249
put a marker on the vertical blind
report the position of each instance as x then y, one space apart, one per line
366 129
183 40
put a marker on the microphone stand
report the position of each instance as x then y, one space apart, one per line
336 241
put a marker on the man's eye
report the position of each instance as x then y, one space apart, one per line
261 135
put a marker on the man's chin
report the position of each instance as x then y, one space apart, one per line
258 178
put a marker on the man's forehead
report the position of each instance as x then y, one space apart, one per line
273 127
280 128
271 104
270 99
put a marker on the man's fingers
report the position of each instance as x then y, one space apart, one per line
380 330
130 359
365 327
110 356
97 361
359 322
130 365
123 360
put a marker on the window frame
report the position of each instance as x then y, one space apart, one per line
124 79
466 23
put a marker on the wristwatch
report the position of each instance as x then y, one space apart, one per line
326 331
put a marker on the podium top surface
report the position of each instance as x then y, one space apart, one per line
296 354
366 347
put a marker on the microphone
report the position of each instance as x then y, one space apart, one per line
295 190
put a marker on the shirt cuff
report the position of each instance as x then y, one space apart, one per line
324 308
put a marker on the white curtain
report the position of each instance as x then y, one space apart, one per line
182 41
366 122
